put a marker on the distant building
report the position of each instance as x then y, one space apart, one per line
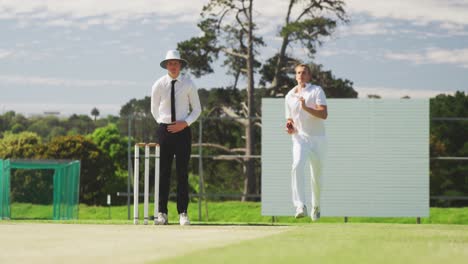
55 113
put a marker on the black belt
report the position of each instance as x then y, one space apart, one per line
165 125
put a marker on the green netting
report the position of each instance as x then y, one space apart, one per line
66 181
4 189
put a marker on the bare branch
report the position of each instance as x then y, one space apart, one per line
291 4
239 158
238 149
233 53
244 10
244 106
213 145
225 157
229 112
221 18
239 21
307 10
334 6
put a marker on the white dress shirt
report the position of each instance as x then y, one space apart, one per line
186 95
305 123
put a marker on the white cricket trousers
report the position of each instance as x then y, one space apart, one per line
307 150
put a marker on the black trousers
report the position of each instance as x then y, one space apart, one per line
179 145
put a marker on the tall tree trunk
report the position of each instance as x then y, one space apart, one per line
281 58
279 64
250 184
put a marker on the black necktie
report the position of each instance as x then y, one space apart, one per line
173 116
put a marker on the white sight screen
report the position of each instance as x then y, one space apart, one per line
377 162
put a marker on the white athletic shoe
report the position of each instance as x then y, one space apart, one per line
161 219
183 219
316 214
301 212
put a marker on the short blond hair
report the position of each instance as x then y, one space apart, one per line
305 66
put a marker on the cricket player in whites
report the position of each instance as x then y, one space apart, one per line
306 110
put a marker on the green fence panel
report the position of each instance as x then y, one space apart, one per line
66 180
5 211
57 190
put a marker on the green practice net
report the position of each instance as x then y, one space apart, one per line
66 181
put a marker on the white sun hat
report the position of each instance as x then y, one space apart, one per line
173 55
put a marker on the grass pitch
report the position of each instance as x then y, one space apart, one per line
345 243
46 243
228 238
362 243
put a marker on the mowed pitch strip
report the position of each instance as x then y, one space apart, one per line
78 243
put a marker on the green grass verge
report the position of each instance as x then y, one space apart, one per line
225 212
349 243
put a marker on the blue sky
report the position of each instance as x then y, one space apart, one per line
71 56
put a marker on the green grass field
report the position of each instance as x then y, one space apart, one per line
345 243
227 212
441 238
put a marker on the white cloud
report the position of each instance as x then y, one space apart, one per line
414 30
450 13
452 29
130 50
59 22
422 11
269 13
372 28
5 53
20 52
458 57
107 12
392 92
37 80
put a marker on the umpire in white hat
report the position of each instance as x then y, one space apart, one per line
172 97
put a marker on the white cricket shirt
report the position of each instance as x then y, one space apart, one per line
186 95
305 123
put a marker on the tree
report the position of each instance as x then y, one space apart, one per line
6 120
228 26
79 125
11 121
114 146
26 185
306 28
96 168
219 16
110 142
23 145
222 173
43 125
138 113
449 138
235 62
284 79
95 113
333 87
201 51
